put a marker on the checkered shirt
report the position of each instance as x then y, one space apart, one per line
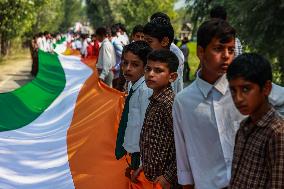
259 154
157 144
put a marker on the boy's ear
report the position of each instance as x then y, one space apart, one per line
165 42
173 77
267 88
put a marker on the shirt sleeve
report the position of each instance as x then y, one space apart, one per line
107 62
276 157
184 172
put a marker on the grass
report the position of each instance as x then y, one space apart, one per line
193 60
15 55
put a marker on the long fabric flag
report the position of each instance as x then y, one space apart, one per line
59 130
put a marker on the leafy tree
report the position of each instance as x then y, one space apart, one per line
259 24
135 12
16 17
99 13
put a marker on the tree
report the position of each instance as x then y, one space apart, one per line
135 12
259 24
99 13
16 17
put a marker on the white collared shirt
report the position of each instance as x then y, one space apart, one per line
276 98
137 107
205 125
106 59
178 84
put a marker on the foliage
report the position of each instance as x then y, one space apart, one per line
99 13
15 19
259 24
135 12
24 18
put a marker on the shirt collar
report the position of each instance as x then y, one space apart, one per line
266 118
138 83
163 95
105 40
262 122
220 85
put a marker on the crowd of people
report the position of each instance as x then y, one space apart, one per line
224 130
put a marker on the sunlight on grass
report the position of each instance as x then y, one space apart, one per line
15 56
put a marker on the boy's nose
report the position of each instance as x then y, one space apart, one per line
226 53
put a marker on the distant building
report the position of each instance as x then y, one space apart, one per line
186 30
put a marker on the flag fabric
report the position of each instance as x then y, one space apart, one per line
59 130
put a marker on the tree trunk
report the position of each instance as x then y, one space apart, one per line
4 45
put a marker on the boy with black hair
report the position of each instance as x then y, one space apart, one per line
106 59
220 12
205 118
134 59
157 136
137 33
259 147
159 34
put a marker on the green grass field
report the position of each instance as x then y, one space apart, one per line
193 60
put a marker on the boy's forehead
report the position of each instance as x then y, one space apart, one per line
223 41
157 63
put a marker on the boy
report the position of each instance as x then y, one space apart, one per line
221 13
106 59
137 33
159 34
259 148
157 137
205 118
134 59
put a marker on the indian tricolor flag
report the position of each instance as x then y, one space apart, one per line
59 130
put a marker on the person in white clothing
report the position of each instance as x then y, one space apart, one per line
106 59
205 118
178 83
134 59
159 34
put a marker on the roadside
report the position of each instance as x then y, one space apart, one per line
15 72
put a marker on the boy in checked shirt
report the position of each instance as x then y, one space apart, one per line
157 145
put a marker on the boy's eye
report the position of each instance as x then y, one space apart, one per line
218 49
147 69
135 65
231 50
157 70
245 89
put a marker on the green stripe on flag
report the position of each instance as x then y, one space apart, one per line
22 106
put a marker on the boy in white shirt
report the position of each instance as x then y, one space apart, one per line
134 59
205 118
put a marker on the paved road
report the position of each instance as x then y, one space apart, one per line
15 75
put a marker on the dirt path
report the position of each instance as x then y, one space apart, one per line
15 74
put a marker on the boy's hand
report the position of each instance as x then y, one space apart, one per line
163 182
135 174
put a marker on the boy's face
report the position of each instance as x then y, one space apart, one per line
215 59
248 96
158 76
155 44
139 36
132 67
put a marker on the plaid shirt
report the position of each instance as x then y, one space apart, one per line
157 144
259 154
